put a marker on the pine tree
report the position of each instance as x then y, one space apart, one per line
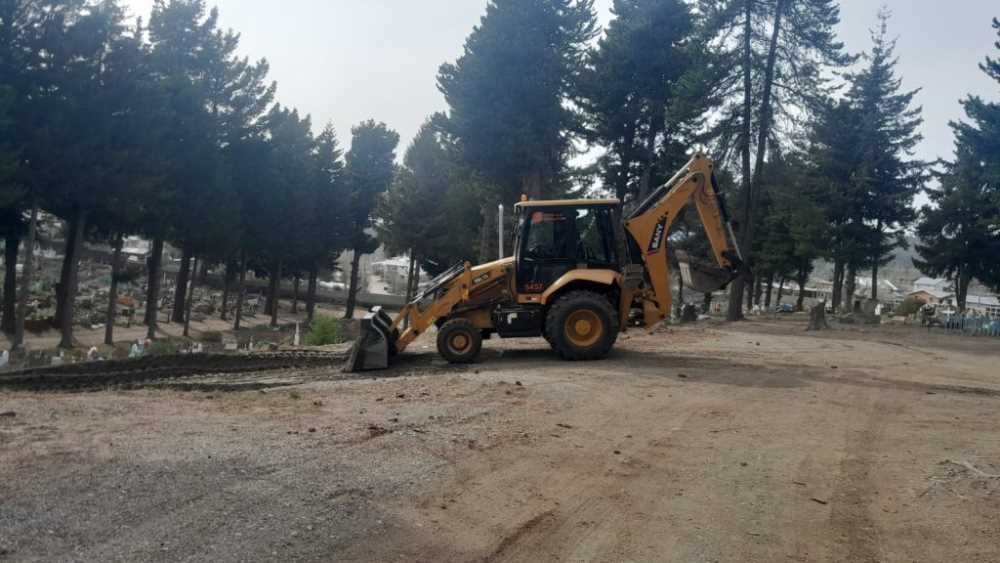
960 233
88 113
327 235
288 197
644 92
506 94
204 80
369 173
832 155
887 177
11 223
795 232
764 42
426 205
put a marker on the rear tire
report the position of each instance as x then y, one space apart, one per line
459 341
581 325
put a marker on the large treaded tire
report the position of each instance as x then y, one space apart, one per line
588 346
459 341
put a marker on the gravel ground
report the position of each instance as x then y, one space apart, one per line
754 442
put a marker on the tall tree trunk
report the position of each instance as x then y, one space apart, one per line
409 286
766 112
802 279
116 268
311 294
62 286
781 290
189 301
962 289
758 289
749 293
352 290
706 305
851 283
876 258
649 167
153 287
181 288
753 187
26 277
72 283
768 292
416 278
295 294
680 294
736 290
488 246
241 291
838 285
227 284
625 164
269 296
275 293
9 323
409 277
531 184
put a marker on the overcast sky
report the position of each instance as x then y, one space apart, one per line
345 61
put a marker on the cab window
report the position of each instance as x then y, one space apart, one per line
550 236
593 226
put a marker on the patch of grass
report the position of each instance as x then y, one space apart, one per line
164 347
294 395
212 337
324 331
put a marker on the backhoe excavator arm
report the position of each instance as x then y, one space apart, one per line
649 226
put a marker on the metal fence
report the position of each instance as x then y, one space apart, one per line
972 325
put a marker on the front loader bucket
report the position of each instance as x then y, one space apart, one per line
375 344
702 278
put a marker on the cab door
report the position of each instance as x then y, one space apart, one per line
546 249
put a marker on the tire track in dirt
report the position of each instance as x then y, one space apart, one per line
852 499
509 545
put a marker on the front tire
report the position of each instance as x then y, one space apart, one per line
459 341
581 325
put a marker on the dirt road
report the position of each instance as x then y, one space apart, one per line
749 443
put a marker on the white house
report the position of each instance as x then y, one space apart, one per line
932 285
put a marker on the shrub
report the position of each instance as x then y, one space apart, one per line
909 306
324 331
211 336
164 347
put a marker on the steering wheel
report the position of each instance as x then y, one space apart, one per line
536 252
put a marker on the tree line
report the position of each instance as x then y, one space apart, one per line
816 144
162 130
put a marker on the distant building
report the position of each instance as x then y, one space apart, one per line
988 305
136 249
932 297
934 285
394 273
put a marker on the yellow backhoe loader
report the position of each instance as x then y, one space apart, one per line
578 277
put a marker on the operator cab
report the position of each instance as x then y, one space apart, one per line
555 237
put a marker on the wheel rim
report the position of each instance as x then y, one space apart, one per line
459 343
584 328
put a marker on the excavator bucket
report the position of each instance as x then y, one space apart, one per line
375 344
701 277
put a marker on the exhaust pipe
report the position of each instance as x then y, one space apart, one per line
500 256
